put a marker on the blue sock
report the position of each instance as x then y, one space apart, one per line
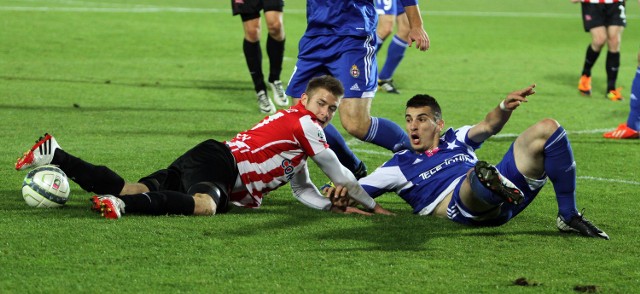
395 53
481 192
386 133
561 170
379 42
339 146
634 105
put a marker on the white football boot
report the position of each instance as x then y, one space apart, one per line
265 103
279 97
40 154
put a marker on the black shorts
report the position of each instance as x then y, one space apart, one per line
209 161
598 15
250 9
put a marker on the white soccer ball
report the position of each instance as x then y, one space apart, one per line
45 186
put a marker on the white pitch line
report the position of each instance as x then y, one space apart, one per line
608 180
117 10
157 9
87 3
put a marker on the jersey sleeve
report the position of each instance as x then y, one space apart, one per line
340 175
387 178
306 192
462 135
310 136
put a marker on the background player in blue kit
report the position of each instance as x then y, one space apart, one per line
389 13
442 176
629 129
340 41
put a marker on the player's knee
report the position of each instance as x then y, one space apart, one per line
275 30
356 129
546 127
383 32
613 45
134 188
252 34
219 199
204 205
356 125
598 42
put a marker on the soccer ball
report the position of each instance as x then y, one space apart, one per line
45 186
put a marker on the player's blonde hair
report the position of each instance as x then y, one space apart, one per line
326 82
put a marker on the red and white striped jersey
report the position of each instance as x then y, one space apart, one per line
601 1
269 154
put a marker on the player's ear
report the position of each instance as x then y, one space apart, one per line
440 124
304 98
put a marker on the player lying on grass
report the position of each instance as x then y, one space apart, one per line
442 176
209 176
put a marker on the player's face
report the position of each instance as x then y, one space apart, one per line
423 128
321 103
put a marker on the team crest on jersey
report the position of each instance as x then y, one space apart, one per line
355 72
321 136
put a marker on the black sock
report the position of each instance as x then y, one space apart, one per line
613 63
589 60
92 178
275 50
159 203
253 55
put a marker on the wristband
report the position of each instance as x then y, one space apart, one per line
504 107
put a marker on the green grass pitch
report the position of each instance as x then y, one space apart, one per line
133 84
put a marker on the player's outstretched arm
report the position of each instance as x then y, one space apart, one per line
339 197
341 176
306 192
499 116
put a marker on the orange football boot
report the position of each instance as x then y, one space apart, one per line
615 95
622 132
585 85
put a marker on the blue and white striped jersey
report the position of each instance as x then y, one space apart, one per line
424 179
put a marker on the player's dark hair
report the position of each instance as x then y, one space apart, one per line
423 100
326 82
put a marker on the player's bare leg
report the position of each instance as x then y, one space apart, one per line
134 188
355 117
204 204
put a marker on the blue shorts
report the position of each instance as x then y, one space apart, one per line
457 212
350 59
389 7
